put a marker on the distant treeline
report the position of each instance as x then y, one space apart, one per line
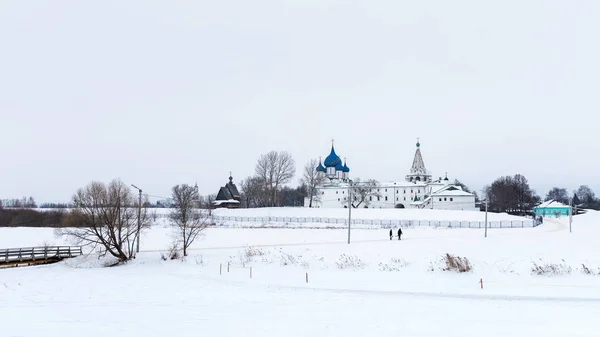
30 218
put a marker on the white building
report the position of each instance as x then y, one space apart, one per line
418 190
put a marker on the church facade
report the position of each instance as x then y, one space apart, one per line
417 190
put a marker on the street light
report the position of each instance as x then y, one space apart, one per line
349 207
139 224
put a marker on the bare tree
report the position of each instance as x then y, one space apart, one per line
189 220
312 179
275 169
363 192
106 216
254 193
558 194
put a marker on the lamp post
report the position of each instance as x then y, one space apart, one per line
139 224
486 218
349 207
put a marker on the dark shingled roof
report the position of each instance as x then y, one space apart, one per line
229 191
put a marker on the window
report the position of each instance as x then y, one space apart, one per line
386 198
440 199
343 192
386 189
445 199
404 191
378 198
411 191
338 199
404 198
396 198
370 198
336 192
451 199
377 190
323 192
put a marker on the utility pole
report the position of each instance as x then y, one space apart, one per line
139 222
349 207
486 218
570 214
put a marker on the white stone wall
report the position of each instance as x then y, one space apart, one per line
390 196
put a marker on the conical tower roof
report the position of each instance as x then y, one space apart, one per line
418 166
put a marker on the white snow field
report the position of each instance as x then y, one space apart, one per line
372 287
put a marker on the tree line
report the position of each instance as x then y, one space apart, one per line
269 187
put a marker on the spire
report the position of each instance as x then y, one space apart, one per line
418 166
418 172
230 178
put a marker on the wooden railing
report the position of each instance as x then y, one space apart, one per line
55 253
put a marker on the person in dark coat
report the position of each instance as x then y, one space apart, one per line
399 233
391 234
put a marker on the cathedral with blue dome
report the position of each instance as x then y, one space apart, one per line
332 168
417 190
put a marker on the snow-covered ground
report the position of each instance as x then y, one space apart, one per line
372 287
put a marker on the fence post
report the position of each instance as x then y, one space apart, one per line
228 266
306 277
250 272
220 269
20 255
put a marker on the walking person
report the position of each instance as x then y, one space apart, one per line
391 234
399 233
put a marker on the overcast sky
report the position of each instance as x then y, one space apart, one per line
159 93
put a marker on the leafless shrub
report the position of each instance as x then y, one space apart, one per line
173 254
586 270
551 269
457 263
450 262
395 264
253 251
346 261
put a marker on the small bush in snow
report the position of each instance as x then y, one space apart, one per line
457 263
287 259
346 261
173 254
450 262
395 264
551 269
252 251
588 271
